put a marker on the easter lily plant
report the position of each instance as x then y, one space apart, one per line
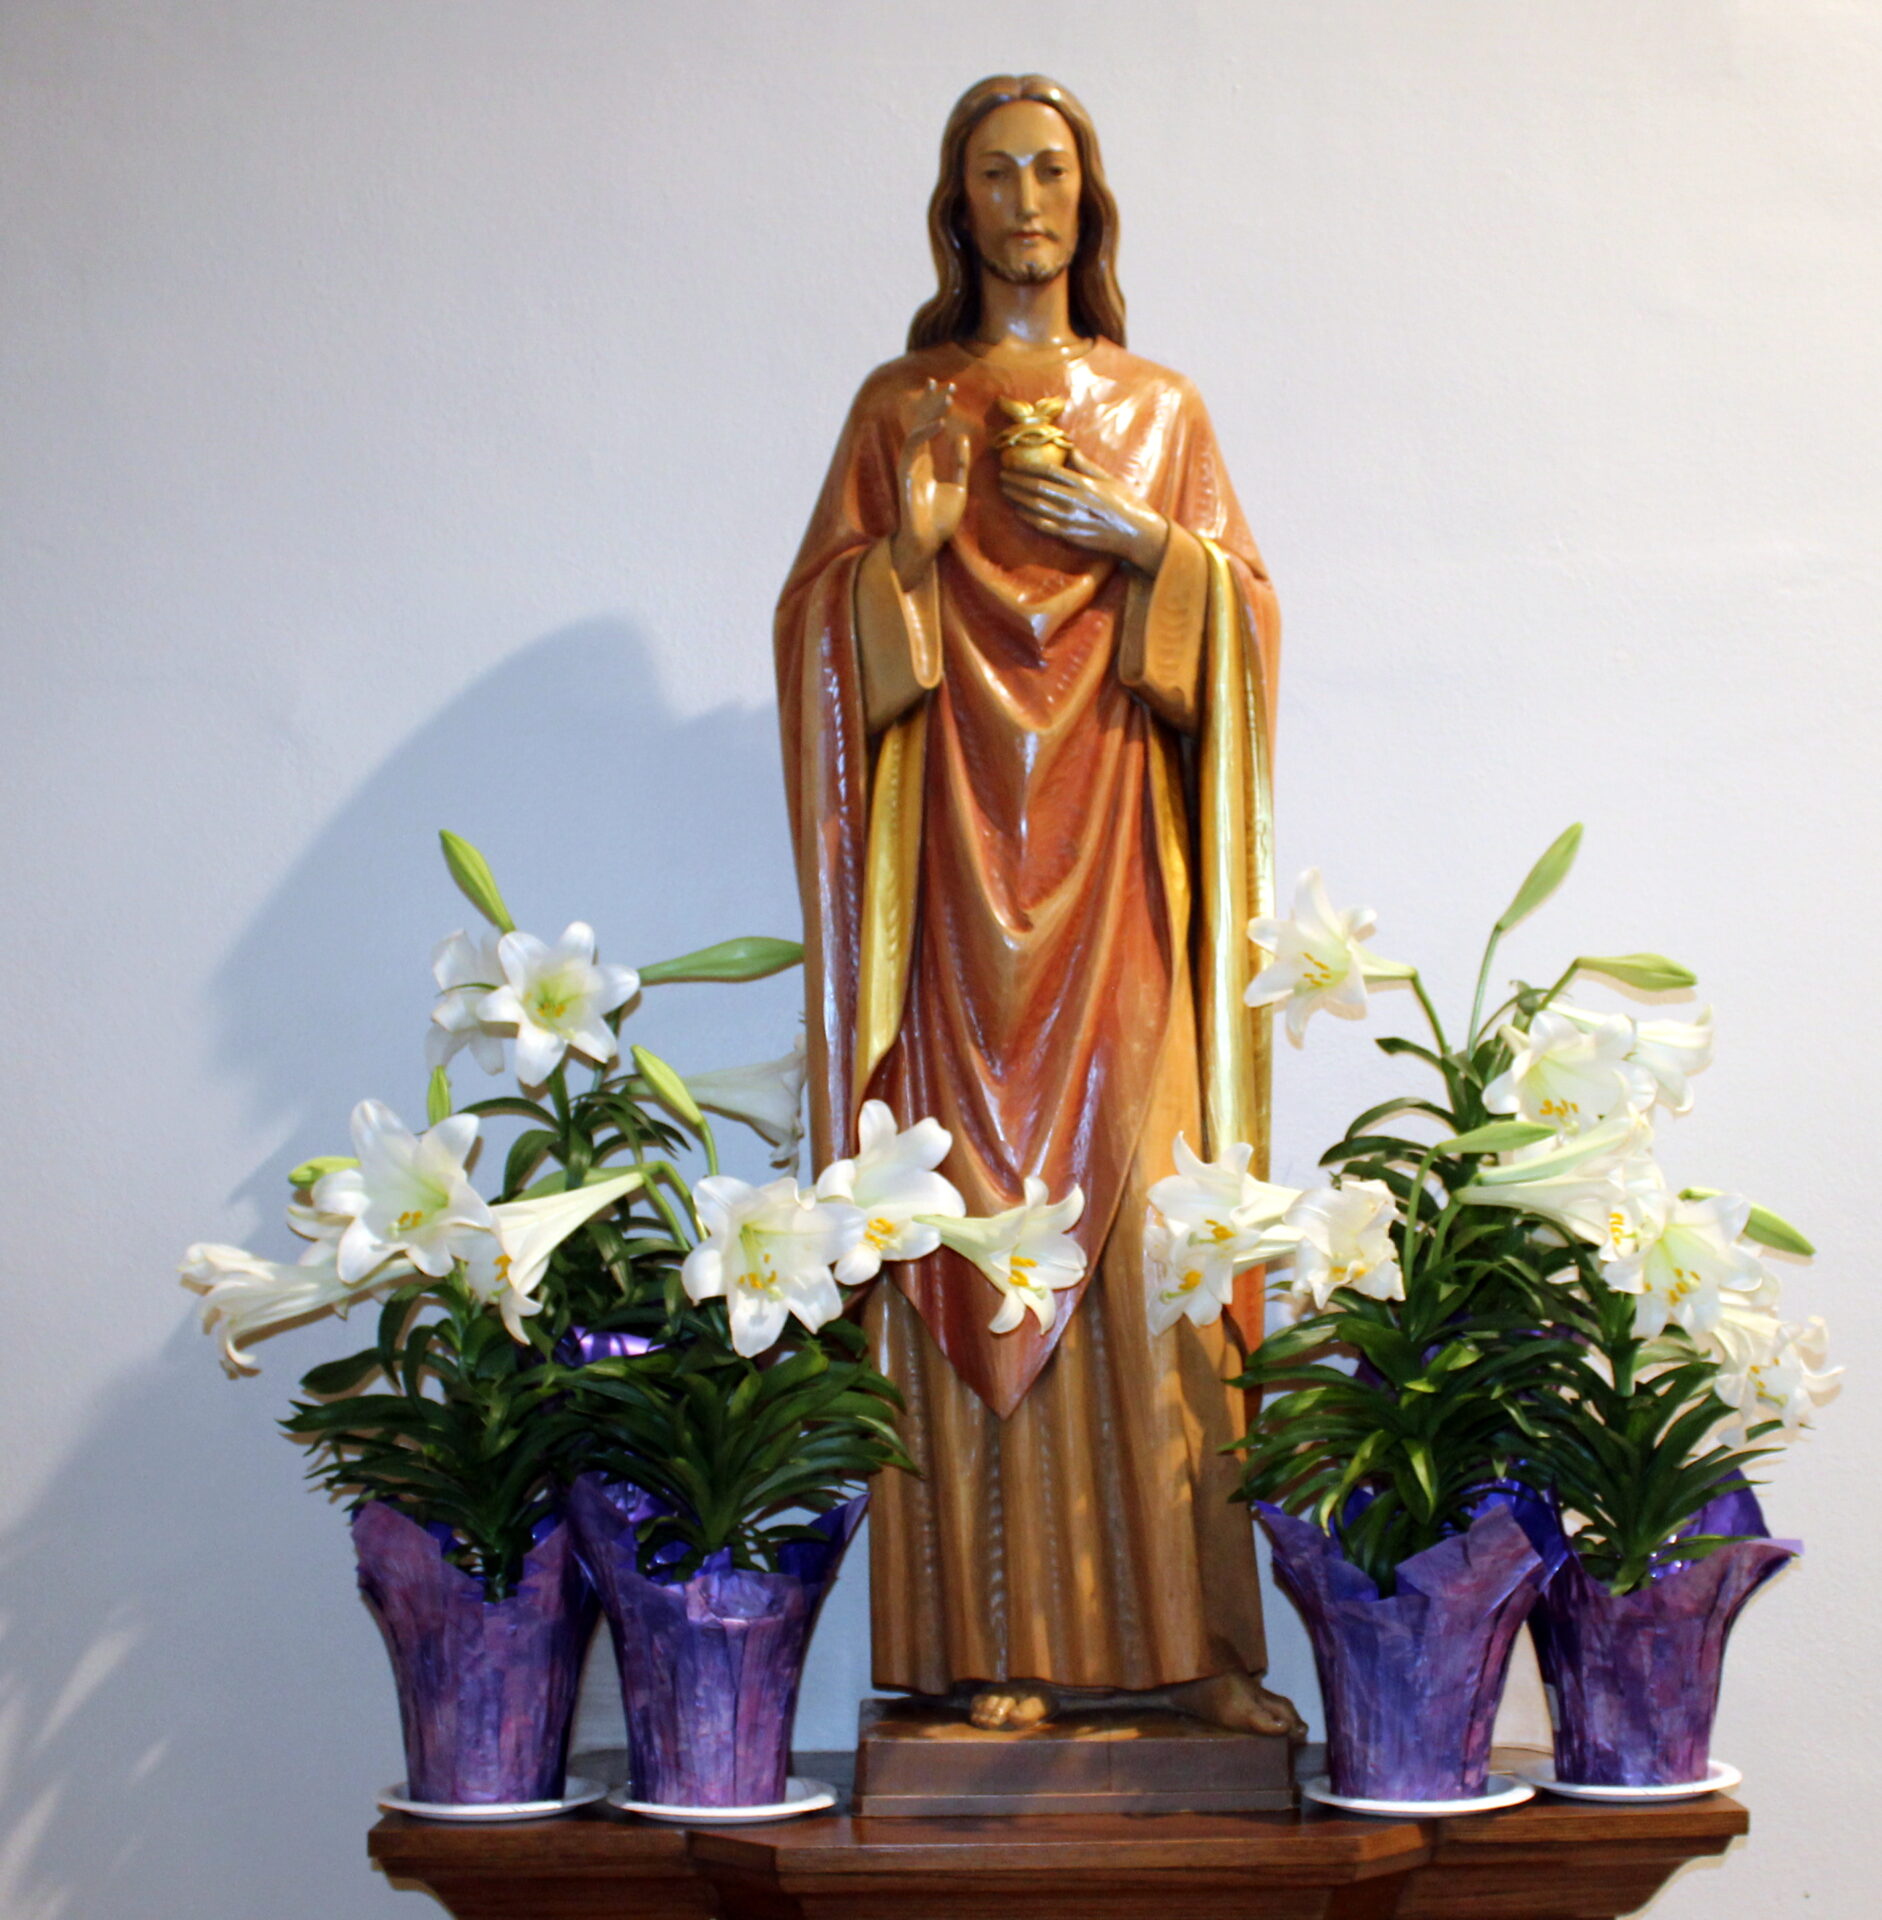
603 1309
1499 1286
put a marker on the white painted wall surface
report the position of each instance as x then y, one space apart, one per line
410 411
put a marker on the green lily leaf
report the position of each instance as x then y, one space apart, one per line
1499 1136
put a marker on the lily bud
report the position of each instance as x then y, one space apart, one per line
751 957
667 1087
1650 972
472 873
310 1173
1543 878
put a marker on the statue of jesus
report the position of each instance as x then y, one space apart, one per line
1026 670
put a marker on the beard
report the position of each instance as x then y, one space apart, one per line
1032 271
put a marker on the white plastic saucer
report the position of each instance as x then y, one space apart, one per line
801 1796
577 1792
1719 1779
1505 1790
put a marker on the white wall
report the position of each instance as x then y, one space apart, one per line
410 412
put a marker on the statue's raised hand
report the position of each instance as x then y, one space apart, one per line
931 507
1083 504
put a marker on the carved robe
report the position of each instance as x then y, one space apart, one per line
1029 803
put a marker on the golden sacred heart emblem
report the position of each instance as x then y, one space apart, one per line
1035 442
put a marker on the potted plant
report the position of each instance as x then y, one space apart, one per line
1687 1373
1443 1386
723 1463
449 1434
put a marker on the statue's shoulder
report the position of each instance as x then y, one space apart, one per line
890 386
1132 370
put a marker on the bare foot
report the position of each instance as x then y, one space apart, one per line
1239 1702
1014 1707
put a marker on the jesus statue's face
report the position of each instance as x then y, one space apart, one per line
1023 185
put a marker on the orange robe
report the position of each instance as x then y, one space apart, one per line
1029 806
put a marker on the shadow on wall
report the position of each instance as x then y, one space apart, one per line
195 1705
593 801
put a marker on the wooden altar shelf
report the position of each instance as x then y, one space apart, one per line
1549 1860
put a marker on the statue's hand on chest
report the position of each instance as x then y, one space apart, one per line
1045 482
1078 502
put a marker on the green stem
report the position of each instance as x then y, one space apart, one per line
654 1171
1406 1261
1557 988
1453 1086
1483 982
1431 1012
711 1144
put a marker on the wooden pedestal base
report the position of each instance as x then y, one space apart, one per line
917 1759
1550 1860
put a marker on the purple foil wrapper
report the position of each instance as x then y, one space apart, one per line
580 1348
486 1688
709 1666
1410 1682
1634 1679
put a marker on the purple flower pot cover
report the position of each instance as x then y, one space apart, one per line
486 1688
1633 1680
709 1666
1410 1682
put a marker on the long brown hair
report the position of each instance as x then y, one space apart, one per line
1097 305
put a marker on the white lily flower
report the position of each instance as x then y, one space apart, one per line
1689 1259
1346 1241
1596 1185
467 971
246 1296
767 1097
768 1252
322 1231
1785 1379
1671 1051
557 998
1315 960
1746 1332
1025 1252
408 1195
1668 1051
1210 1221
505 1266
893 1180
1571 1073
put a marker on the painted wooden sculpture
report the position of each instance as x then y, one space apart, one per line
1026 671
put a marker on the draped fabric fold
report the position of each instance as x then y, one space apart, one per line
1031 818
